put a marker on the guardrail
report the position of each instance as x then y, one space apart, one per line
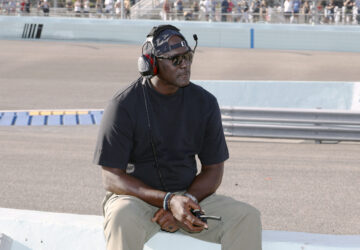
316 125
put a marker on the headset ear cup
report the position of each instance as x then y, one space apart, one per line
145 66
155 66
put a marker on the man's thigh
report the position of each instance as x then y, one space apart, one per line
129 212
231 211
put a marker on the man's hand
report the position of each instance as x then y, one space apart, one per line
181 207
166 220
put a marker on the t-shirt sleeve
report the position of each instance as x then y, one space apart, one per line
214 149
114 141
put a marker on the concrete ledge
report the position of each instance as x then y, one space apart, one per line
58 231
43 230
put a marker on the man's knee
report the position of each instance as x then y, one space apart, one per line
253 210
127 223
242 230
254 214
246 212
119 213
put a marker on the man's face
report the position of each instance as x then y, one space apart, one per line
174 75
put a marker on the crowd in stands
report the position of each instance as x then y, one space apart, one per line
331 11
24 7
290 11
108 8
78 7
278 11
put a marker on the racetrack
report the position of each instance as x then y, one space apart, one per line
45 74
297 185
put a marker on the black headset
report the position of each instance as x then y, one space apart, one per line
147 62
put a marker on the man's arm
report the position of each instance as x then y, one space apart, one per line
204 184
117 181
207 182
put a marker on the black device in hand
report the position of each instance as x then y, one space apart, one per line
197 213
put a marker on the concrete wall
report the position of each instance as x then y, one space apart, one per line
283 94
57 231
226 35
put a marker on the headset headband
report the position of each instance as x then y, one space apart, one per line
156 30
159 38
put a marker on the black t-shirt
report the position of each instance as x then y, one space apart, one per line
183 125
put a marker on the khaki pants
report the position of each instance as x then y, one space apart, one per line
128 225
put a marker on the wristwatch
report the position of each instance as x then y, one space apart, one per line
191 197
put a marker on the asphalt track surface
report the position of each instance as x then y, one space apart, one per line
297 185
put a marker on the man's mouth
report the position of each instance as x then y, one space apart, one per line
183 75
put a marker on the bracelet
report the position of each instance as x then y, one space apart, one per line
191 197
165 201
168 202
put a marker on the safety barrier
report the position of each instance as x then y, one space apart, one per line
212 34
242 122
292 124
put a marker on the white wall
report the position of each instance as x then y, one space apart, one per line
227 35
286 94
35 230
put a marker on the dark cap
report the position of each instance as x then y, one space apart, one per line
161 35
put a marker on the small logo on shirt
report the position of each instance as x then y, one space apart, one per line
130 168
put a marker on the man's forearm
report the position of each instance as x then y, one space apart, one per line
207 182
204 184
118 182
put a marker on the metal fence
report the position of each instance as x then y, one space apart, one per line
318 125
271 15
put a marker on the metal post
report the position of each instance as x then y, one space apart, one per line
138 10
282 11
316 12
122 9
